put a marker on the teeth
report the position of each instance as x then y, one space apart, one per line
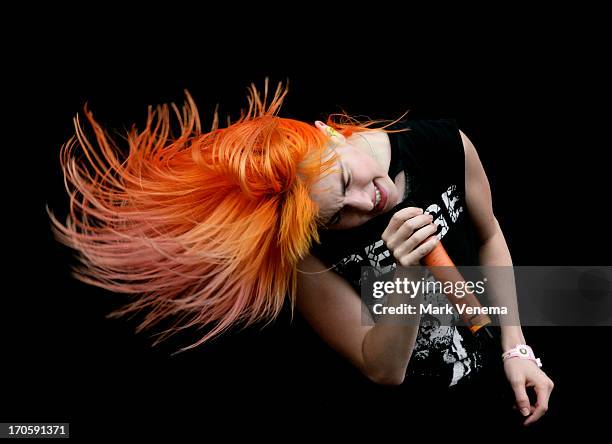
377 196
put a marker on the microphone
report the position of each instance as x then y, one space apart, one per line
444 270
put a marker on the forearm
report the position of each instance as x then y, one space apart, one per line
388 345
387 350
494 252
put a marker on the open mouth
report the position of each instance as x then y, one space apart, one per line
380 197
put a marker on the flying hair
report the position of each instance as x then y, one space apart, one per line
204 228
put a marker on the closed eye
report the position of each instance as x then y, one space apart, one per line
335 218
345 184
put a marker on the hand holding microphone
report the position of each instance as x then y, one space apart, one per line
411 237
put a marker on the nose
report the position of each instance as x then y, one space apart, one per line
359 200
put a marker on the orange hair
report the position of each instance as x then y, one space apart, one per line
207 227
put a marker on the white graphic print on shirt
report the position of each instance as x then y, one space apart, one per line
439 342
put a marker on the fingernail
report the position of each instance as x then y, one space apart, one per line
525 411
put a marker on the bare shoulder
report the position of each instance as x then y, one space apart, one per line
478 192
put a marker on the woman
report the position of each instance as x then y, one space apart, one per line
433 163
214 229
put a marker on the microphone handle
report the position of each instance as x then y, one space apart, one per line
444 270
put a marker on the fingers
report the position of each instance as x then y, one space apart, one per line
419 253
410 235
520 395
534 413
407 243
398 220
414 231
543 391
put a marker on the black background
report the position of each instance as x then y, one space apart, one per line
533 97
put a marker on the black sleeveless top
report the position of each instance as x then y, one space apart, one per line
432 157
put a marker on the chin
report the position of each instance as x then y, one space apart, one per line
393 195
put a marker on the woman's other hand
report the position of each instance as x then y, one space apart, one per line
523 373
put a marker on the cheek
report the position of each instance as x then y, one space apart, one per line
367 169
374 166
322 202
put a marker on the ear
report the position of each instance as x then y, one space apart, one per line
334 135
320 125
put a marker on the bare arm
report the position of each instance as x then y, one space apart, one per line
334 310
493 249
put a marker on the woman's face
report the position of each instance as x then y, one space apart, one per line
358 191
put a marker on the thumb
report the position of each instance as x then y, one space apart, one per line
522 400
